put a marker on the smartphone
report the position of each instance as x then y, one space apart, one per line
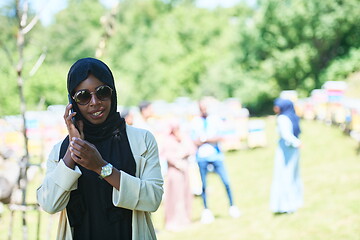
73 120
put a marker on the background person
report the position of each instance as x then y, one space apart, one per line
105 178
206 133
176 150
128 115
286 189
143 120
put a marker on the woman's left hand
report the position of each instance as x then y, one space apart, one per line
86 155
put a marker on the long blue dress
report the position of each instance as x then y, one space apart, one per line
287 188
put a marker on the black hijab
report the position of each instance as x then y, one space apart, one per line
78 72
90 208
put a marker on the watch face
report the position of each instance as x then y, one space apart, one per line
106 170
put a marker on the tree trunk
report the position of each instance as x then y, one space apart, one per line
108 22
22 17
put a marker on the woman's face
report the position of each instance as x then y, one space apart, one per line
96 111
276 109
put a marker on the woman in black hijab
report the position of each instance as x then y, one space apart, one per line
104 176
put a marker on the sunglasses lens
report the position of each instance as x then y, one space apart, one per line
103 93
82 97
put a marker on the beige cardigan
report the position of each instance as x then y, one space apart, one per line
141 193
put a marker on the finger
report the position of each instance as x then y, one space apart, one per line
67 109
81 143
89 144
76 158
85 145
75 151
68 116
84 148
81 128
78 146
69 119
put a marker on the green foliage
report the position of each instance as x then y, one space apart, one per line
7 34
47 87
353 81
9 99
166 49
299 39
167 56
342 67
76 32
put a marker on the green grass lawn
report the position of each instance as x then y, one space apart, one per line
330 171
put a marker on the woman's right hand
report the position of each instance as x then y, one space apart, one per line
72 130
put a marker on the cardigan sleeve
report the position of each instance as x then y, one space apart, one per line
143 192
285 130
54 192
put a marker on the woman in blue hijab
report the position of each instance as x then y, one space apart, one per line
286 189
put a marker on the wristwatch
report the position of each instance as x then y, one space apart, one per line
106 170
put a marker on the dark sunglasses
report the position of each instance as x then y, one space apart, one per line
83 97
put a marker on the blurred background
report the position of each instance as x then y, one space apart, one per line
243 54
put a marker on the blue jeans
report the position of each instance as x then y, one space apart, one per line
219 168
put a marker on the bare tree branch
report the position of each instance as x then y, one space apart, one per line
24 17
31 24
23 27
24 14
38 63
108 22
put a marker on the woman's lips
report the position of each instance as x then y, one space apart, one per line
97 114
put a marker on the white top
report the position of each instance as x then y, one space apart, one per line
285 129
142 193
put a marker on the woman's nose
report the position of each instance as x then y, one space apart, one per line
94 100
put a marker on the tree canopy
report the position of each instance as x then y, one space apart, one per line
168 49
